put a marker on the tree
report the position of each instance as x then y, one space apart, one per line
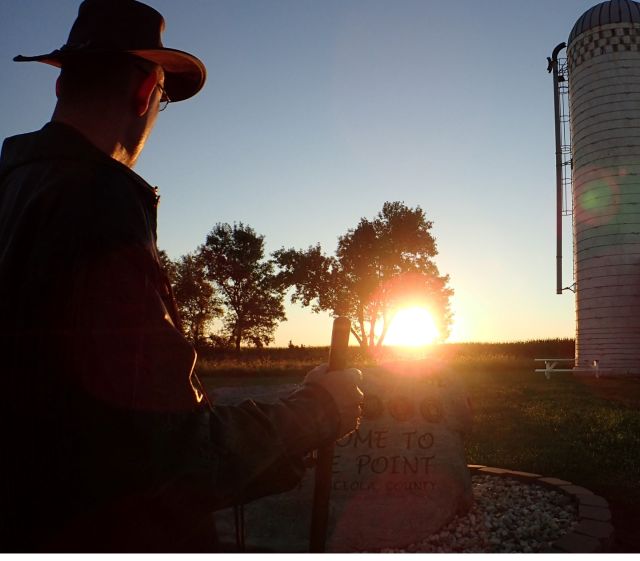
168 265
197 301
379 266
253 300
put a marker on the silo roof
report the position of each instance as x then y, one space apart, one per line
612 11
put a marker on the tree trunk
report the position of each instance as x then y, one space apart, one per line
238 338
196 336
372 327
385 328
363 333
357 337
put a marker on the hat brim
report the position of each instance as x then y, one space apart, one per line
185 74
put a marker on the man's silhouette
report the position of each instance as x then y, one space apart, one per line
108 441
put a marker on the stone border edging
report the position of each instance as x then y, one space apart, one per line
594 532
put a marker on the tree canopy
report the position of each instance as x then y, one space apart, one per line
197 301
379 266
234 262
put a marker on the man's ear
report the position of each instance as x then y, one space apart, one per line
58 87
143 94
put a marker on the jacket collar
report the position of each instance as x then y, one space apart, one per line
57 141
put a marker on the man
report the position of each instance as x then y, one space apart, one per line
109 443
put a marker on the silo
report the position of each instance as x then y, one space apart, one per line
603 62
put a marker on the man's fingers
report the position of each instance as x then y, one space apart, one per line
343 387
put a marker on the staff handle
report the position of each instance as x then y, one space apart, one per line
324 463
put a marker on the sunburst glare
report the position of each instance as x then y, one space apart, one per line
412 327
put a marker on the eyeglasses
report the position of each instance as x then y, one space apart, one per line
164 98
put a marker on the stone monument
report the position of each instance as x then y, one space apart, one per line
400 477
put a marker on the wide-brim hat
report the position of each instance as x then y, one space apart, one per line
106 27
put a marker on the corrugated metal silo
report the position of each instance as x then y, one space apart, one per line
603 60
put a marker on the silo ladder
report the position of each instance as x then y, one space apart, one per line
564 161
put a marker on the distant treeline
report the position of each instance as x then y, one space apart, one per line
539 348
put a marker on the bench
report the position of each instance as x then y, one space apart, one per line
550 365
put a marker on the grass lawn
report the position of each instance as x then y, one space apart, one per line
584 430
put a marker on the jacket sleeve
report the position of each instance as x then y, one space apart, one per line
226 455
131 358
263 450
135 360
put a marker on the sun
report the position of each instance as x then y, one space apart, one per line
412 327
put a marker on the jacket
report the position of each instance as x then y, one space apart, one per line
109 443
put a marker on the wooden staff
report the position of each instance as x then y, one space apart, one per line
324 463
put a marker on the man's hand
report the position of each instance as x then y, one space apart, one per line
343 387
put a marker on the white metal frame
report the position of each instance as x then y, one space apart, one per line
550 366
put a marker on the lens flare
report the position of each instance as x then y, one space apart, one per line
412 327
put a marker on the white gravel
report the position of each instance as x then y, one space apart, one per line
508 516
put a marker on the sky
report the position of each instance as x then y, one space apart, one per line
316 112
